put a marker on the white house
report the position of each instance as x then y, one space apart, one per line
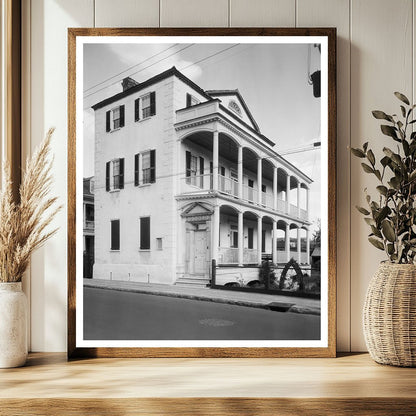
184 176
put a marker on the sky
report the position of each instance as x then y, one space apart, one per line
272 78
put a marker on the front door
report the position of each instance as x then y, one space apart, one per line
200 252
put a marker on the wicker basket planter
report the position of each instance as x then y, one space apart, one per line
389 317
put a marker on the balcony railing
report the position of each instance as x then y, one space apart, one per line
229 186
250 194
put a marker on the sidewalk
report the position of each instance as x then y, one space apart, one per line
255 300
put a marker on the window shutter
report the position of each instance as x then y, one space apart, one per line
188 163
115 235
211 171
145 233
122 116
222 171
152 103
137 109
136 170
201 171
188 100
108 121
121 176
107 176
152 166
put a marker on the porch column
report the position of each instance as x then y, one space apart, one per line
215 234
85 215
275 188
288 194
307 203
287 242
215 162
240 172
259 238
274 242
259 175
298 199
240 239
298 244
308 247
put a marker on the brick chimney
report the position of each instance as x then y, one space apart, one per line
128 83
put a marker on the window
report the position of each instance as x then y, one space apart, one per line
234 236
201 171
114 176
250 237
159 244
263 241
145 233
115 118
115 235
191 168
147 160
191 100
148 105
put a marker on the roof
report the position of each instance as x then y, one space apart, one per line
153 80
219 93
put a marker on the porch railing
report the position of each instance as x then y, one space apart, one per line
229 255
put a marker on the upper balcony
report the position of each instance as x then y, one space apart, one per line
221 155
201 184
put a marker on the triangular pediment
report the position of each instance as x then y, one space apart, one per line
196 209
233 101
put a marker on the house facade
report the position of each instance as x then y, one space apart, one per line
184 176
88 226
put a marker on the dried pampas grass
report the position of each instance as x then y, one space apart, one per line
24 225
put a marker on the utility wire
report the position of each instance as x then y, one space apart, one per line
160 60
129 68
181 69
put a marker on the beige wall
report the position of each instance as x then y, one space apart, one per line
375 58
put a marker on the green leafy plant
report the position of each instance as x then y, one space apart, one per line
391 216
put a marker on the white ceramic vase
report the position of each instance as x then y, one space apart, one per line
13 325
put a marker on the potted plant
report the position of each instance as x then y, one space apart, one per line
23 228
389 318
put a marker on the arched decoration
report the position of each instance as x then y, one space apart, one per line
251 215
304 185
267 169
250 158
281 225
235 107
299 275
224 206
185 134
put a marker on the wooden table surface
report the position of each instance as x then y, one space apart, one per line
349 384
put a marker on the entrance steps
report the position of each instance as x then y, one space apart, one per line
193 281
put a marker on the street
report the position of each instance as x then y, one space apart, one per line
120 315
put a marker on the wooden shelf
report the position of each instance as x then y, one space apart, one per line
349 384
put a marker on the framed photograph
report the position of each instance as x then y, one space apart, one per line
201 192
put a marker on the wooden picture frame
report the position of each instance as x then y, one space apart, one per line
240 119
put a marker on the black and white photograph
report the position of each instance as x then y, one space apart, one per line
202 191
